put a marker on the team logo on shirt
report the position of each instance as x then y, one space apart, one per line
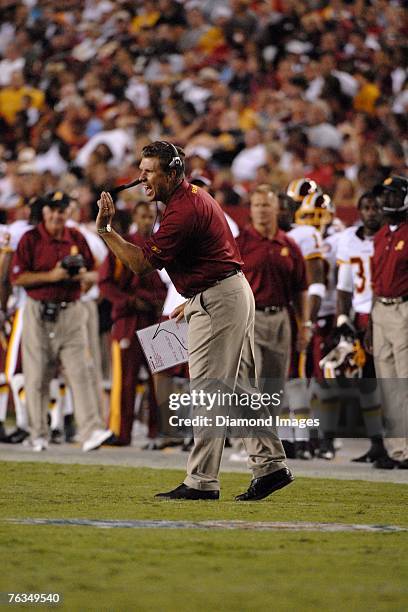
194 189
400 245
155 248
284 251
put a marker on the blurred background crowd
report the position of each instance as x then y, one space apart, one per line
256 91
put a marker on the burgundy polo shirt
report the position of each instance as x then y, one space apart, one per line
38 251
119 285
194 242
275 268
390 262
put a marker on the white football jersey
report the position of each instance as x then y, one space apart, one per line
308 240
354 257
329 249
16 231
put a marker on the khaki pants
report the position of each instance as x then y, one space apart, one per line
94 353
221 348
43 345
390 347
272 349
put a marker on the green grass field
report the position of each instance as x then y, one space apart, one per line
187 570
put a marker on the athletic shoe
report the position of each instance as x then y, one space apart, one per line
373 453
17 436
39 444
385 463
302 451
3 435
326 450
96 439
55 437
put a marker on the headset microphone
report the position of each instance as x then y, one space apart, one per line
120 188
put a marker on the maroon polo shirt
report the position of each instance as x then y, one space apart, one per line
120 285
194 242
275 268
390 262
38 251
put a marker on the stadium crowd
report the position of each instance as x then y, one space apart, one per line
255 92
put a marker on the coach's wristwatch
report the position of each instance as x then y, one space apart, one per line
105 230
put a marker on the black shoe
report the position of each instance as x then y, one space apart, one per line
374 453
265 485
385 463
17 436
185 492
113 440
55 437
69 428
403 465
289 448
302 451
3 435
187 445
326 450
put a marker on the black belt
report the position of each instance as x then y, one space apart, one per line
388 301
229 274
61 305
270 309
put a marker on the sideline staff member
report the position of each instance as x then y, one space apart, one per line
275 269
390 315
195 245
54 323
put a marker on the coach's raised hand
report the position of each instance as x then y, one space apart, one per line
106 211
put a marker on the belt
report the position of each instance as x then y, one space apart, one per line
270 309
61 305
228 275
388 301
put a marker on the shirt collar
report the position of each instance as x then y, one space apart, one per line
180 187
396 228
280 236
45 235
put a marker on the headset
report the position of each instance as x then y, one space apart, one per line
176 162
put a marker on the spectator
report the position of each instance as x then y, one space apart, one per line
250 158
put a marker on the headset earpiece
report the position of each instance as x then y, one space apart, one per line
176 161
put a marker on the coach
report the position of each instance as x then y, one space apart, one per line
195 245
390 315
275 269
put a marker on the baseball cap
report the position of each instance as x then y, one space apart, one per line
57 199
392 183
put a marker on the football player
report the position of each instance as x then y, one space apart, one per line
309 241
317 211
354 293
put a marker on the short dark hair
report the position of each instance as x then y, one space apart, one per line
165 153
367 195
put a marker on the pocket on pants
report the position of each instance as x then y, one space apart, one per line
202 304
